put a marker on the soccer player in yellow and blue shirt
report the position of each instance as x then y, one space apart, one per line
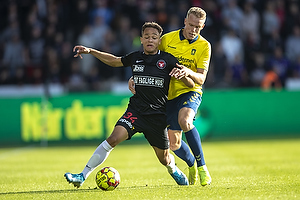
193 53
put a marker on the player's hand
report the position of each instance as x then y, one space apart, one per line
179 72
131 85
81 50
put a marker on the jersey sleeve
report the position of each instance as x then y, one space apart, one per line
127 59
204 58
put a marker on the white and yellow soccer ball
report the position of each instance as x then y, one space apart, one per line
107 178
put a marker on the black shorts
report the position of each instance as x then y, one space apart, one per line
152 126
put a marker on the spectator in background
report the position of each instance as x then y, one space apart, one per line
258 69
173 23
292 45
270 20
219 64
292 18
213 24
271 42
125 39
76 81
236 74
99 30
101 9
20 77
12 29
79 17
36 47
93 79
232 16
160 12
53 74
296 68
250 23
262 26
279 64
4 76
271 80
14 54
37 76
232 46
65 60
86 38
280 12
131 9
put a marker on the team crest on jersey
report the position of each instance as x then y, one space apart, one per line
193 51
161 64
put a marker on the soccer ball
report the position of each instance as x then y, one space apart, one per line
107 178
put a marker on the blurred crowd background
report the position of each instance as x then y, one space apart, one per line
255 43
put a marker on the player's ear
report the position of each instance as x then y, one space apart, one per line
141 39
202 26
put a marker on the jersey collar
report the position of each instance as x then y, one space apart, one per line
158 52
182 37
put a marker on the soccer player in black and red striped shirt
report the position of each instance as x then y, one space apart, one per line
147 107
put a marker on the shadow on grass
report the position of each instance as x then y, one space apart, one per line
81 190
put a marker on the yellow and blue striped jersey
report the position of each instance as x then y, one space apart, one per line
190 53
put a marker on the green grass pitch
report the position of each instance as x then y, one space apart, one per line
260 169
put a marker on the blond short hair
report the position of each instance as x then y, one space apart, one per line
198 12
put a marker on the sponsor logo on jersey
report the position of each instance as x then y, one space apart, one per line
184 60
161 64
138 68
149 81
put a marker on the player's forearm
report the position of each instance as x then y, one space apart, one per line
107 58
188 82
198 78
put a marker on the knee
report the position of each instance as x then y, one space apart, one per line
175 139
185 124
113 140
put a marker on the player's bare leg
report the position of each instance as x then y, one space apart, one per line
185 120
181 149
118 135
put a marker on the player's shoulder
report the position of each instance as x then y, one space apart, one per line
166 54
171 34
132 54
203 40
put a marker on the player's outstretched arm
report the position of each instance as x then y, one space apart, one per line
106 58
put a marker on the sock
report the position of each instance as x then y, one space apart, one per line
185 154
99 156
193 138
171 167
